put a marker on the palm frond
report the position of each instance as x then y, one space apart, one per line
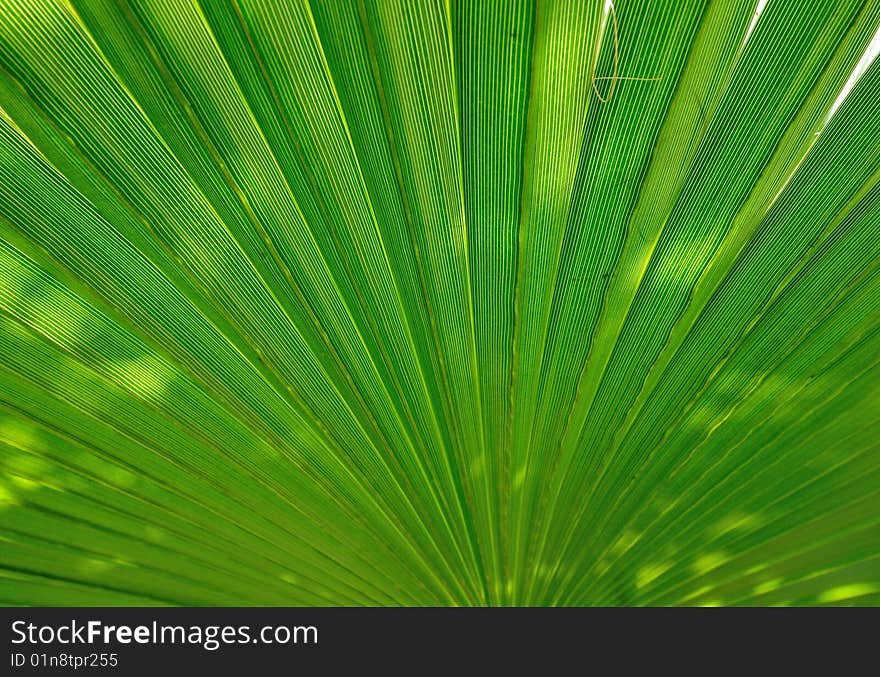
418 302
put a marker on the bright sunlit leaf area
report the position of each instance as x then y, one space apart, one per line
411 302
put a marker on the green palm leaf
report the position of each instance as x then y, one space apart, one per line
391 302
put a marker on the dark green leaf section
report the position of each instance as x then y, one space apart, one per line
377 302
